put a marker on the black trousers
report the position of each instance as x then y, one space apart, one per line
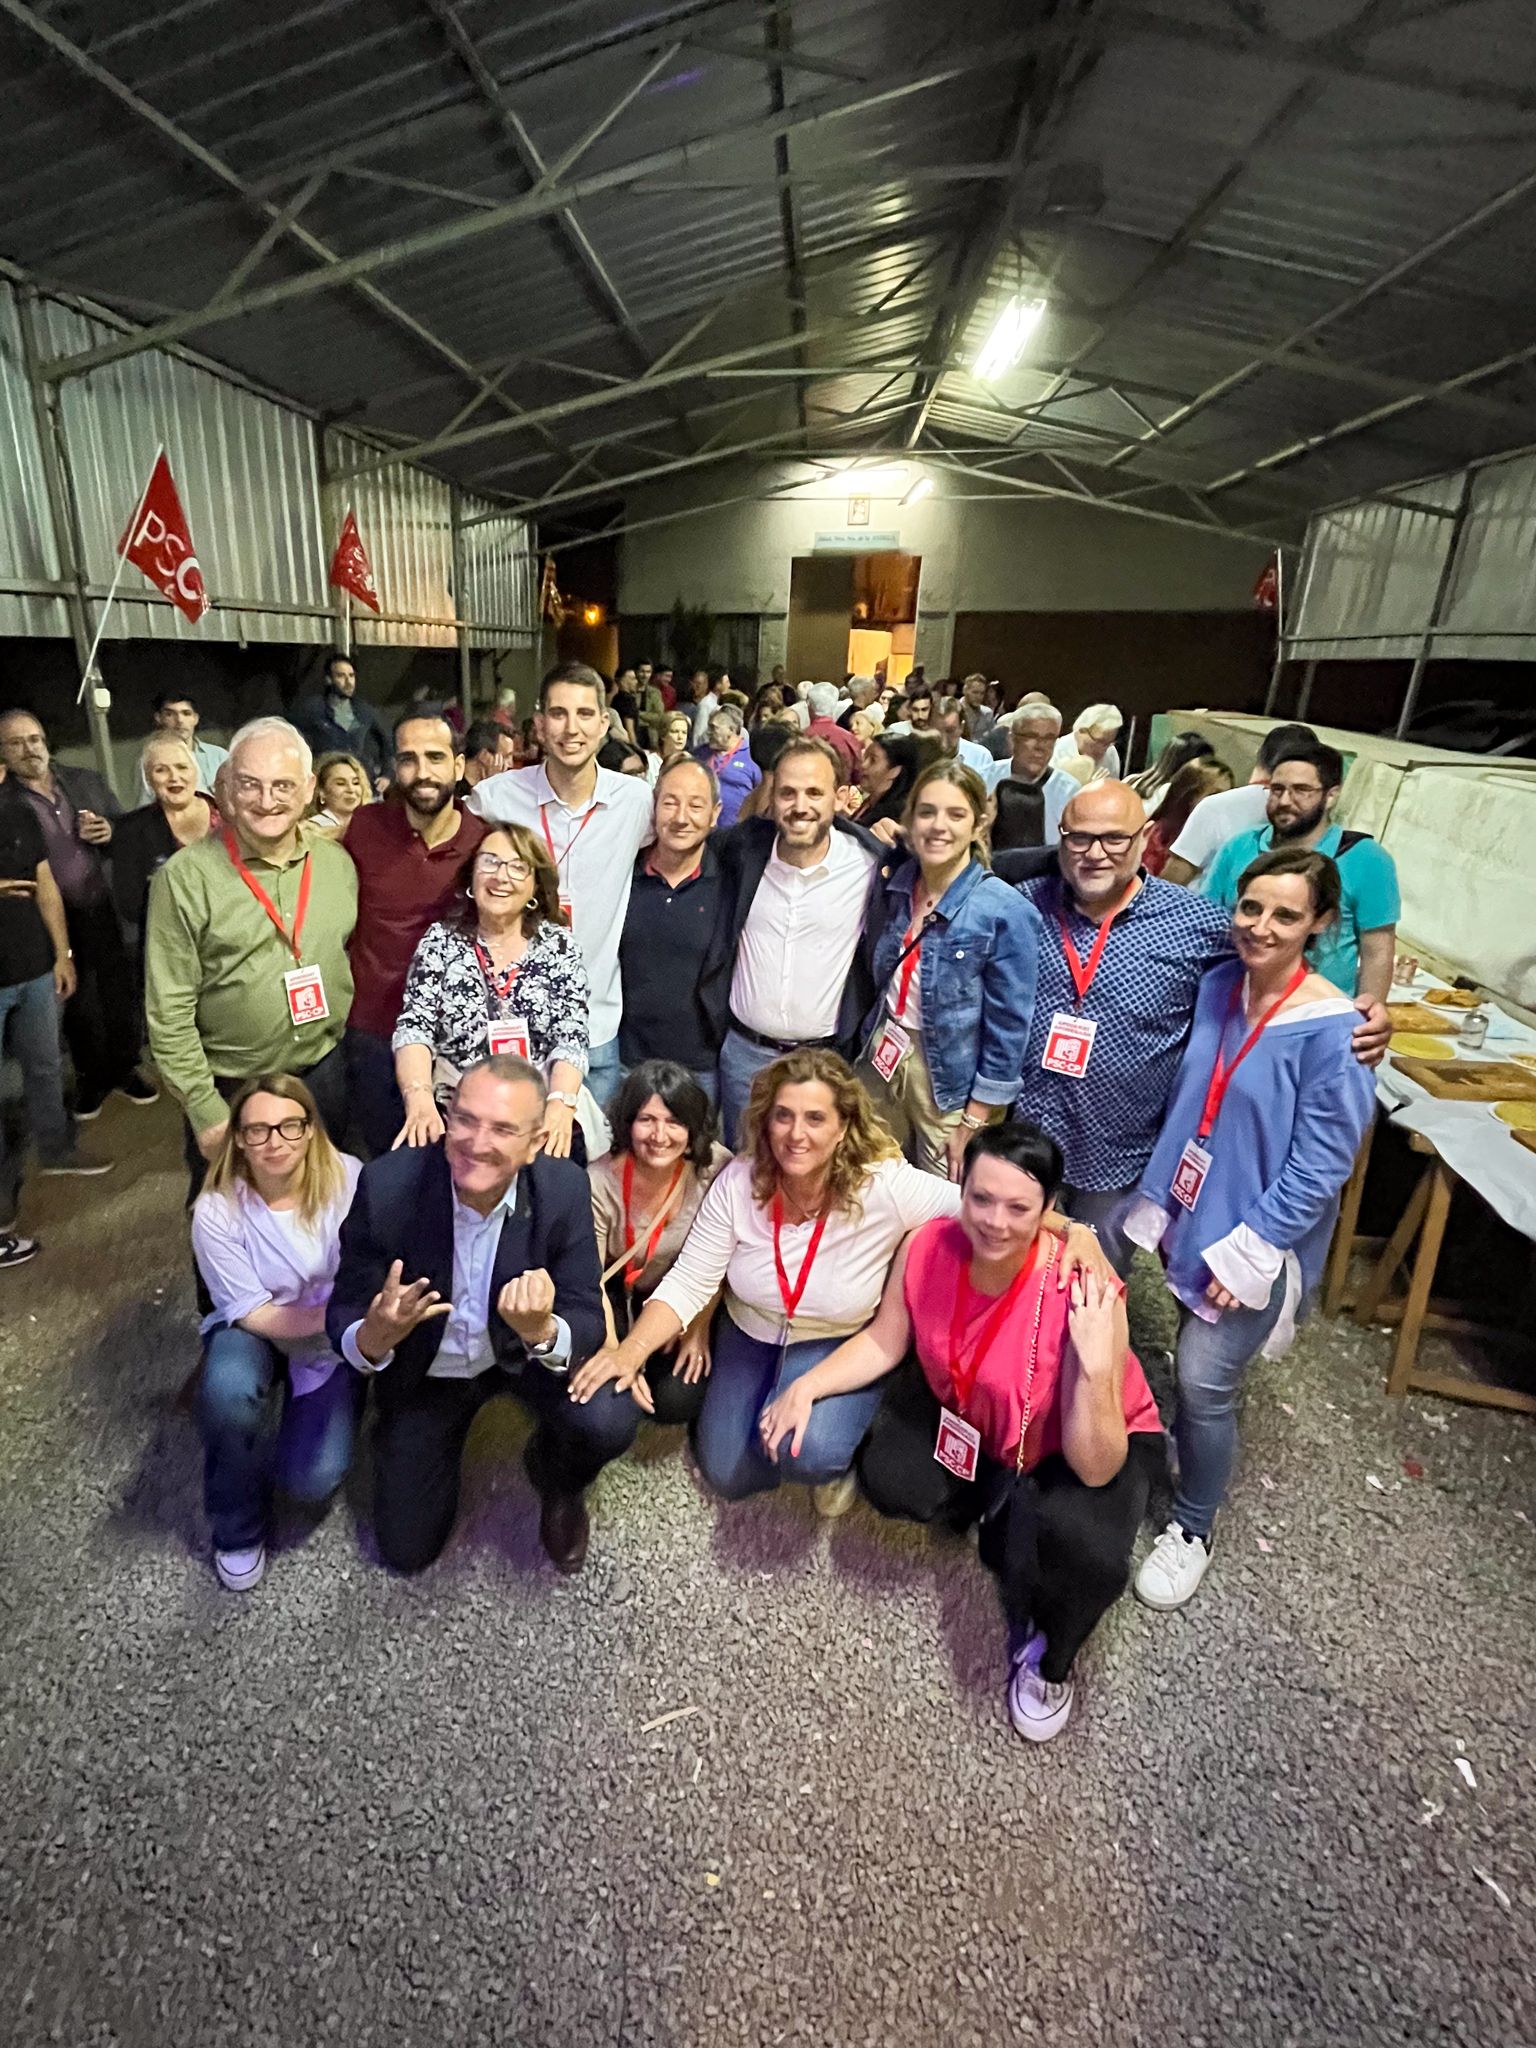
418 1451
101 1018
677 1403
378 1109
1061 1551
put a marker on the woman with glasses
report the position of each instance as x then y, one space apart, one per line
646 1191
1241 1195
275 1405
501 975
956 964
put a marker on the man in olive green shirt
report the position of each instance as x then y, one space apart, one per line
235 985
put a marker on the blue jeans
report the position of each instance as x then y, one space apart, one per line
740 1064
603 1072
29 1018
743 1379
1213 1361
257 1434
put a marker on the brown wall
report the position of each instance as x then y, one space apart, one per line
1145 662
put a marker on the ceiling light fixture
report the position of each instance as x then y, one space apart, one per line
1010 334
919 489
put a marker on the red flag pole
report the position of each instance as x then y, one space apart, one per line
117 577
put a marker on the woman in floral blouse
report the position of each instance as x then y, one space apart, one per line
503 975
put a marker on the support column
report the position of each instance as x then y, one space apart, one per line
461 607
1442 587
64 514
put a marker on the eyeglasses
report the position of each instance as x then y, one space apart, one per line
282 791
290 1130
1113 843
462 1125
1295 789
516 869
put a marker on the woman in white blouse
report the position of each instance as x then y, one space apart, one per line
275 1404
800 1231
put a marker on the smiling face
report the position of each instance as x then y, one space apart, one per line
273 1136
503 879
269 789
427 767
1102 830
342 790
687 810
572 724
943 823
804 800
1273 920
657 1139
1000 1209
171 773
804 1129
492 1131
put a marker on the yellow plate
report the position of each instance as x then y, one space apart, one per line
1520 1116
1418 1045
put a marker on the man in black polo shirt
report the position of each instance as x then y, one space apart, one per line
668 928
36 976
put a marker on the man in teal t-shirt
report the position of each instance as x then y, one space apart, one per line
1356 952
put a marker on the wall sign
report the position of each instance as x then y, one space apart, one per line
859 541
858 511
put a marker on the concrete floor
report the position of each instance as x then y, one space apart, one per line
356 1809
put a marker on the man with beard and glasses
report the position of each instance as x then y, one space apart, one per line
1355 952
407 854
1120 969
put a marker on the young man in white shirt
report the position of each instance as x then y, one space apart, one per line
787 969
1221 817
595 823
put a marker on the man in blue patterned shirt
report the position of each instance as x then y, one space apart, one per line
1120 967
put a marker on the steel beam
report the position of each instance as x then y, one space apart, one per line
825 110
1039 490
1427 252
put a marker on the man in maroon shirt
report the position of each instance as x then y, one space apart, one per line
822 700
408 854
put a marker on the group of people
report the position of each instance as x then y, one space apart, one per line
829 1139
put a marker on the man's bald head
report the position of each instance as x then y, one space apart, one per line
1102 832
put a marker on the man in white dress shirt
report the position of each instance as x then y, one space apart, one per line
787 969
1028 772
594 822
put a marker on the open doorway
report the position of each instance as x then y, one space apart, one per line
852 614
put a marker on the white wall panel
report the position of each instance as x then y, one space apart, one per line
1369 577
500 575
29 554
1490 606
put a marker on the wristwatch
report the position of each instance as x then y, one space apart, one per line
564 1095
542 1351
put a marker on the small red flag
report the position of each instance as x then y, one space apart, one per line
157 540
1266 592
349 565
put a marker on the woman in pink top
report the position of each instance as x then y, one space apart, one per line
1018 1406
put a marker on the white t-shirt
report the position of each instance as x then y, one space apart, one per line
1220 818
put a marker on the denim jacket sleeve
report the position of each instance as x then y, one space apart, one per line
1007 996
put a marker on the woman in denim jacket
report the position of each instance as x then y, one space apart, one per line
955 963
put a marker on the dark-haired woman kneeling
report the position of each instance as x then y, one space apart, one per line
1019 1407
646 1191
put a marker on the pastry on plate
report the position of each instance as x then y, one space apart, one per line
1452 998
1418 1045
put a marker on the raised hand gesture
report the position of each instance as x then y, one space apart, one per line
395 1311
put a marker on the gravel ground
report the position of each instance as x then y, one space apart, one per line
350 1807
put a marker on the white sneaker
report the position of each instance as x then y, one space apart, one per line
1173 1569
836 1497
1038 1707
241 1569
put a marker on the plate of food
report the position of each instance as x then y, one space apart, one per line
1451 998
1418 1045
1419 1017
1520 1116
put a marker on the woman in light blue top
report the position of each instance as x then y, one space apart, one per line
1240 1196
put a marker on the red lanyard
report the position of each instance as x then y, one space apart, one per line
1222 1072
634 1269
560 859
250 881
912 947
964 1381
790 1296
1082 976
499 989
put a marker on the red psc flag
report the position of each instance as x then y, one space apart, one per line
349 565
158 542
1266 592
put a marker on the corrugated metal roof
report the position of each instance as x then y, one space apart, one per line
1259 168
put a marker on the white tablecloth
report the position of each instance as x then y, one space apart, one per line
1467 1135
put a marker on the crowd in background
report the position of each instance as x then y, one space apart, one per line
802 1066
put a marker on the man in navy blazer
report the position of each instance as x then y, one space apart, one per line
468 1269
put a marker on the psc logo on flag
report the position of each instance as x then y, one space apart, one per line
350 568
158 541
